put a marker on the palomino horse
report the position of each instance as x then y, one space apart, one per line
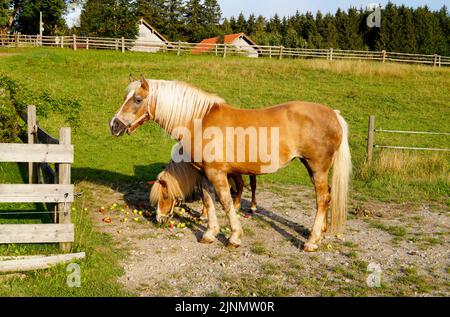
179 180
313 133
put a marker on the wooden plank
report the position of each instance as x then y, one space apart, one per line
64 176
411 148
412 132
38 262
46 233
36 193
33 172
370 138
43 136
37 153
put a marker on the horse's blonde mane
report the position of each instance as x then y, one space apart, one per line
178 103
181 178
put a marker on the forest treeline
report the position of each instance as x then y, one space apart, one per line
403 29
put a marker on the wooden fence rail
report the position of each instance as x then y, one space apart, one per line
53 188
79 42
371 140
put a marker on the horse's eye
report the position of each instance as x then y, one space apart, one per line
138 99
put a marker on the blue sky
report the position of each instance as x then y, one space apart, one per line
288 7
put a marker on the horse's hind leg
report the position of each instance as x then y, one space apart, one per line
239 181
319 177
253 187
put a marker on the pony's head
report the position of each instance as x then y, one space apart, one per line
136 109
171 188
163 199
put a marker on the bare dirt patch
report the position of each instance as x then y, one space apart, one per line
409 242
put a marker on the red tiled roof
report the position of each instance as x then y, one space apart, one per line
207 44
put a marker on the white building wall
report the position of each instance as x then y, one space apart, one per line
243 45
147 41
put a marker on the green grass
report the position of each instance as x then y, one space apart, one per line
402 97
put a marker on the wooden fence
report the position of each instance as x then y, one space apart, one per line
46 185
121 44
371 140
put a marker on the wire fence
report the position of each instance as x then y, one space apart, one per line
121 44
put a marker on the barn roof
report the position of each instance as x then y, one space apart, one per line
206 44
150 27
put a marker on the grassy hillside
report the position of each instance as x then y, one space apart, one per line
401 96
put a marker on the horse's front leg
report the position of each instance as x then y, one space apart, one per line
220 182
209 210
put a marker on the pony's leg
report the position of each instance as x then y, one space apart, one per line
253 187
220 182
204 214
208 205
239 190
319 177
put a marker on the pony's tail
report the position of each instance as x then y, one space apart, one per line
342 168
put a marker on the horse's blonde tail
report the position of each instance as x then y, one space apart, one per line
342 168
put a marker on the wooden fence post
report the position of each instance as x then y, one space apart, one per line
74 42
370 139
123 44
179 48
16 39
64 178
87 43
281 52
384 56
439 60
62 41
32 130
217 49
224 50
435 60
331 54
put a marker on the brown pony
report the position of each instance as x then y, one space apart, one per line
178 181
207 128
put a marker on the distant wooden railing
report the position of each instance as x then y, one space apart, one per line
54 188
121 44
371 140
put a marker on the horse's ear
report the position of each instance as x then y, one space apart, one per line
144 83
162 182
131 78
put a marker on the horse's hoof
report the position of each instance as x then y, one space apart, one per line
233 243
232 246
253 210
310 247
206 241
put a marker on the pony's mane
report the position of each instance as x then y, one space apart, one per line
178 103
181 178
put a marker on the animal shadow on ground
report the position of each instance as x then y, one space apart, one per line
135 190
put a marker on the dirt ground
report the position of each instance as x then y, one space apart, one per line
405 246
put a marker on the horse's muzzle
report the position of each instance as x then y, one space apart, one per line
117 127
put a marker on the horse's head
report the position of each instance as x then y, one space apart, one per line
163 198
136 109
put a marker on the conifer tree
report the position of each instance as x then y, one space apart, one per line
152 12
27 19
173 13
212 15
109 18
195 24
